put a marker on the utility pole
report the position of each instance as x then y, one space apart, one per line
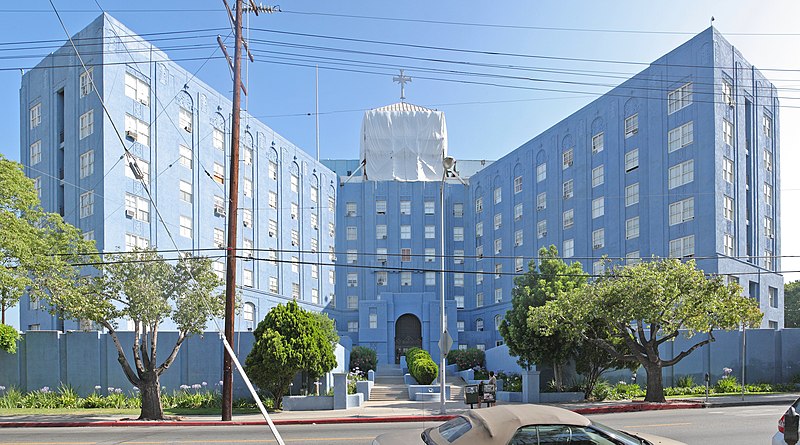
233 192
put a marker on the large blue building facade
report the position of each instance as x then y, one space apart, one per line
178 129
681 160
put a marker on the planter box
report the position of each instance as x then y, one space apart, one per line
508 396
426 392
307 403
354 400
408 380
560 397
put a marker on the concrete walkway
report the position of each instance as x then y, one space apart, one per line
384 411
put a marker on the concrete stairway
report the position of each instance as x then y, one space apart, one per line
389 385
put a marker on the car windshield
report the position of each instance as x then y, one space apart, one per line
620 436
454 428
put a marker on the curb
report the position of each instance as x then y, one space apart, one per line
637 407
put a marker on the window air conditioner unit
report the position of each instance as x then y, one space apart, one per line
219 211
130 213
383 236
244 223
294 243
517 244
315 227
351 213
381 283
219 244
294 216
130 134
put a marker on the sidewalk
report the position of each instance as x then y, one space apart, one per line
383 412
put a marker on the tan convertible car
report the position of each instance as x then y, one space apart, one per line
521 425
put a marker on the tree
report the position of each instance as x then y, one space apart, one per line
535 288
146 289
37 247
791 304
289 340
646 305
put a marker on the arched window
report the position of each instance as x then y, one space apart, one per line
479 324
249 312
497 320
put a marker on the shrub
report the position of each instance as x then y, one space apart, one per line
602 390
727 384
363 359
467 359
421 366
512 381
9 337
686 381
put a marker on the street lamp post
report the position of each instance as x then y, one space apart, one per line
449 163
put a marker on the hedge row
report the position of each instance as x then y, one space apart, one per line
421 366
467 359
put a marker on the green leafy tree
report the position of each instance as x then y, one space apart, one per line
364 359
37 247
791 305
146 289
548 281
646 305
288 341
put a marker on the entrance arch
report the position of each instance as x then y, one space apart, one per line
407 335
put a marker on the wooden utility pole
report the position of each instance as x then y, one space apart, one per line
233 205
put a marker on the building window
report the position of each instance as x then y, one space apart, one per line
429 207
518 264
458 234
37 185
631 159
541 201
478 205
247 248
332 276
373 318
219 173
247 277
769 228
458 256
597 143
498 270
294 209
598 207
272 170
144 169
681 211
295 237
137 207
36 154
498 221
352 280
773 297
186 226
517 184
352 233
727 207
133 242
727 93
185 191
768 126
569 218
87 163
248 156
430 254
137 130
185 119
460 323
87 204
479 299
314 272
405 254
632 228
682 247
36 115
681 174
767 160
405 232
351 209
331 204
137 89
430 232
541 230
405 278
273 285
87 124
352 326
479 277
458 279
633 258
541 172
381 278
458 210
430 278
294 183
498 195
478 229
727 132
498 295
679 98
405 207
727 170
218 139
631 125
380 231
568 189
567 158
498 245
479 324
728 242
518 212
185 154
598 268
598 176
598 238
219 269
680 137
247 219
569 248
632 194
352 302
249 311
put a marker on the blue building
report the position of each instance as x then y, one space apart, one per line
178 129
680 160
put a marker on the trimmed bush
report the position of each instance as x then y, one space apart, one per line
421 366
363 359
9 337
467 359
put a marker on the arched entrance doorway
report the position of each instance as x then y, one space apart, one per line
407 335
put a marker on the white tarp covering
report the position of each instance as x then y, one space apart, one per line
403 142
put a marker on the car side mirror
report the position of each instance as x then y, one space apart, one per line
791 421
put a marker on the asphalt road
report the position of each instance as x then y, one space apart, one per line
724 426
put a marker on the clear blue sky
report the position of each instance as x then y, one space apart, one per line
350 43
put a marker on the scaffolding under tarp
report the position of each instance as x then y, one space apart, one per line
403 142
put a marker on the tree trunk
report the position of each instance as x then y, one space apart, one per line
655 384
150 391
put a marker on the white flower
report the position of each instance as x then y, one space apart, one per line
205 383
118 390
97 387
2 388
